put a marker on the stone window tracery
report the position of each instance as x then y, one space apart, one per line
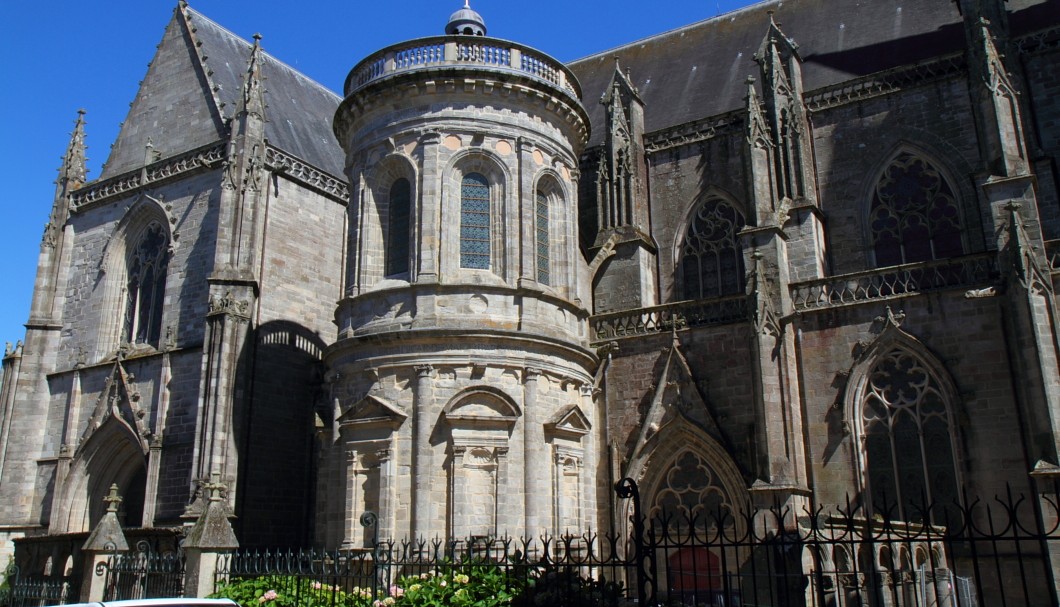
146 286
914 215
907 438
691 491
541 238
475 222
397 246
711 255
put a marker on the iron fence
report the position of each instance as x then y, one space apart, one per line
143 574
999 551
37 590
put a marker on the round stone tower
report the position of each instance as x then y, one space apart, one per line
462 377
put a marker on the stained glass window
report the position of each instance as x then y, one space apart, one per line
475 222
914 215
146 286
907 440
711 257
397 244
541 229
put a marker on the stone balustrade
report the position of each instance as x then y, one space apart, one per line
969 271
461 51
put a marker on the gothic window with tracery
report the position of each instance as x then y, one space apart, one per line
711 256
691 494
914 215
397 245
475 222
907 437
146 286
542 240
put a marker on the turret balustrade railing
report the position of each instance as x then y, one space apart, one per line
458 51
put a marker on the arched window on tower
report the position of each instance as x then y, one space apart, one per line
146 286
474 222
711 256
907 438
542 238
397 243
914 215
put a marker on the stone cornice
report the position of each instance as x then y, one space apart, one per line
207 157
99 192
885 82
848 91
306 174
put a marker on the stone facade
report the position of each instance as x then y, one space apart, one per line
502 284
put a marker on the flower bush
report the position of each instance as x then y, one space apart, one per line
472 584
291 591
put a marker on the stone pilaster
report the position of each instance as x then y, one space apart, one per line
422 466
535 483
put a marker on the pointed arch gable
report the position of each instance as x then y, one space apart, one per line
682 444
900 405
107 456
707 251
134 268
914 208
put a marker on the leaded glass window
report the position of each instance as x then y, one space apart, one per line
711 257
146 286
914 215
397 244
541 230
907 438
475 222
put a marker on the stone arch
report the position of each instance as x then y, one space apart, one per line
947 206
559 230
143 215
109 456
682 444
377 238
707 252
503 231
896 363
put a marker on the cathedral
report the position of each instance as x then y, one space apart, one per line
798 252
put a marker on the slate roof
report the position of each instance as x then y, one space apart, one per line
700 70
299 110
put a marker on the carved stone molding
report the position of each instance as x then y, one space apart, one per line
229 305
306 174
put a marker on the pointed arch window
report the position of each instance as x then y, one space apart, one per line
711 257
914 215
541 238
907 435
146 286
474 222
399 211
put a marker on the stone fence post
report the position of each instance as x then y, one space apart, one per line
210 537
106 540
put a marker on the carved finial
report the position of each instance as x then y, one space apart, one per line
113 499
467 3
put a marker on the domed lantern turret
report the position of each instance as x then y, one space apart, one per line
463 357
465 22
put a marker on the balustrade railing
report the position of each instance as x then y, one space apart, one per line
963 272
455 51
658 319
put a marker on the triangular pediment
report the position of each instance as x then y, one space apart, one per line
118 402
570 421
372 410
676 398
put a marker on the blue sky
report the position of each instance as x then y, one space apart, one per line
61 55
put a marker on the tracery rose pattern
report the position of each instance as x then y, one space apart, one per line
691 491
907 435
711 259
914 215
